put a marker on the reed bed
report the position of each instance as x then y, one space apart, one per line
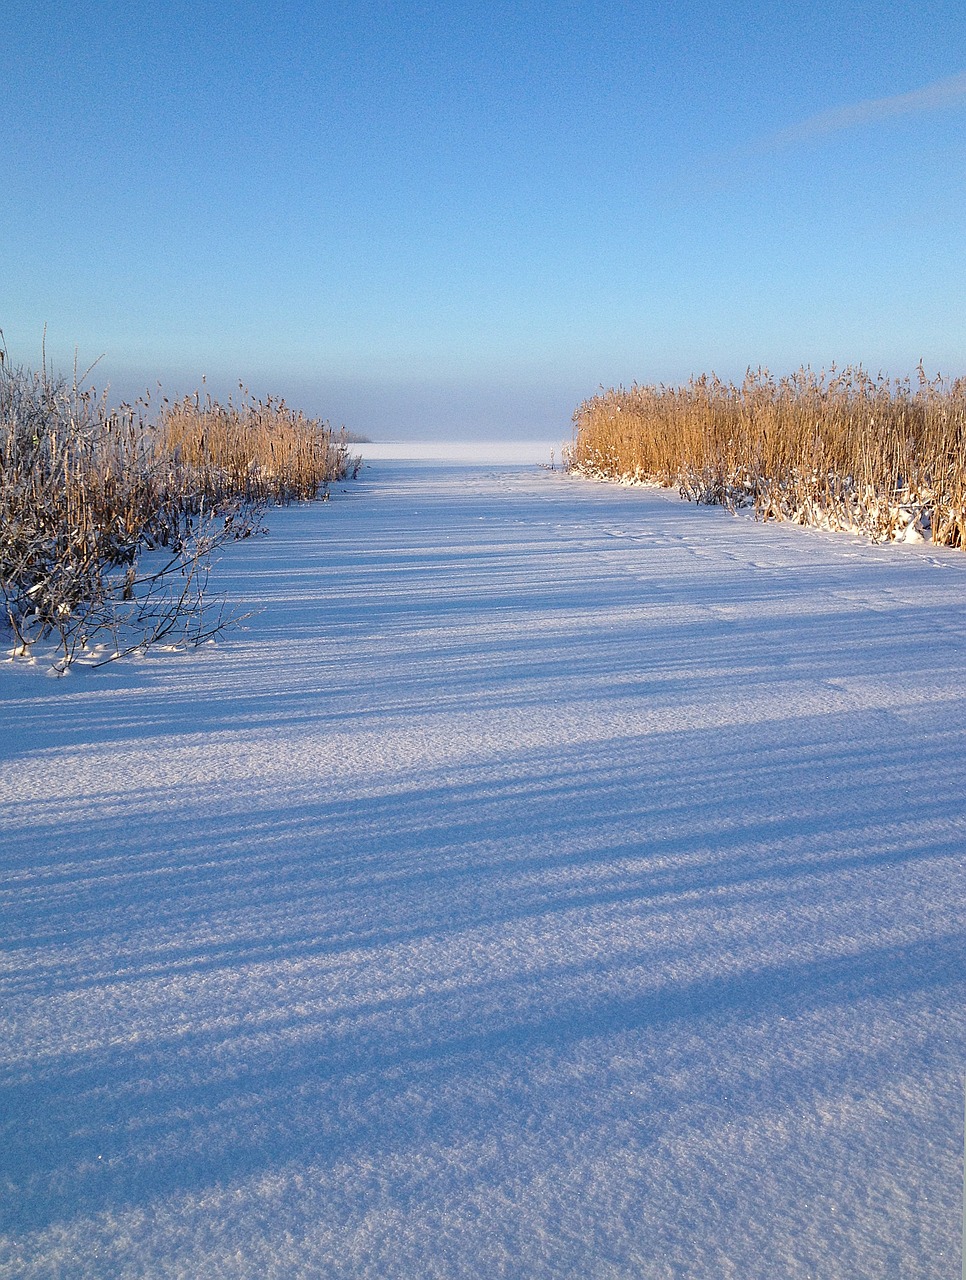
839 449
259 450
108 518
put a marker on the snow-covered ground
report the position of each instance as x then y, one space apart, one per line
520 451
554 880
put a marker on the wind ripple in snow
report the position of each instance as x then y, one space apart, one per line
553 880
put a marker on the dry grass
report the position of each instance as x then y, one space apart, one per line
261 451
86 491
841 450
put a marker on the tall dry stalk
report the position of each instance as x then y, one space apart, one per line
88 492
840 449
259 449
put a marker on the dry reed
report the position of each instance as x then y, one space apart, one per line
259 450
86 490
842 450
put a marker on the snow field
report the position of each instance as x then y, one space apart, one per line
554 879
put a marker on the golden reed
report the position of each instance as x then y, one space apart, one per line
842 450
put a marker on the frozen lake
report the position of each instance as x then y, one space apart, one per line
552 880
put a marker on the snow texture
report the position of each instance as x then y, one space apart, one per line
553 880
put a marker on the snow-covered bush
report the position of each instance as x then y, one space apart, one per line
108 521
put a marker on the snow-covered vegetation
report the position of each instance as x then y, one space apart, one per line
108 517
841 451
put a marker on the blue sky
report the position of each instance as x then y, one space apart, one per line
445 219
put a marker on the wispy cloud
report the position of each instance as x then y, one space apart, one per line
950 92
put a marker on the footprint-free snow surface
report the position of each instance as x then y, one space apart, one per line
553 880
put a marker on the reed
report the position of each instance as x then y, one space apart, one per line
108 518
260 450
842 450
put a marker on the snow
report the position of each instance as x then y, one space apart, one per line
553 879
521 451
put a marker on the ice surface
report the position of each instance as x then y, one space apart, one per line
520 451
553 880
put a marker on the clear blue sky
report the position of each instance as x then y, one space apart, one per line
443 219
